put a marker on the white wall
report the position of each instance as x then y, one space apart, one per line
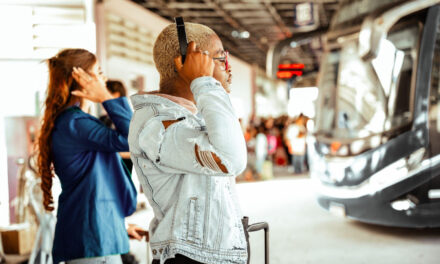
33 30
271 99
241 88
302 100
124 69
136 14
4 191
22 80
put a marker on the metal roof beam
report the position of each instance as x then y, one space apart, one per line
258 21
289 1
242 6
184 5
286 13
322 14
199 14
235 24
210 20
285 6
291 5
278 19
252 13
161 5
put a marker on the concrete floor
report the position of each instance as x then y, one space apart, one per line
302 232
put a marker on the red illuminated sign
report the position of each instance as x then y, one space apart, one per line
287 71
290 66
288 74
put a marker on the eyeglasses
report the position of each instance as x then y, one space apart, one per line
223 59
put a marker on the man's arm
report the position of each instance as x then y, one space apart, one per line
224 131
176 146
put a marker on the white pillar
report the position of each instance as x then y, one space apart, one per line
4 189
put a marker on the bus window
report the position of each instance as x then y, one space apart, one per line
434 100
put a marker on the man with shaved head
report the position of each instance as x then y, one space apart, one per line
166 48
187 147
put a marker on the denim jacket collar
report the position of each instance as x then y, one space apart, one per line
139 100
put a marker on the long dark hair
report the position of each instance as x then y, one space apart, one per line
58 97
115 86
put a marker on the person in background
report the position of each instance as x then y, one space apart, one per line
296 140
304 123
250 174
271 138
261 148
286 142
97 192
280 157
117 89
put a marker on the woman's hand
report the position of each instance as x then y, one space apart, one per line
93 88
136 232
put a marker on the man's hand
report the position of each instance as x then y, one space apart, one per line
197 64
136 232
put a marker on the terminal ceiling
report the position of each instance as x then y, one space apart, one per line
266 21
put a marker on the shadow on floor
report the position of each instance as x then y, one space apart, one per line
397 231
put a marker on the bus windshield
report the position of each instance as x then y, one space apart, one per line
362 98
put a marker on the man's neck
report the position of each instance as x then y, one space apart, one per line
179 89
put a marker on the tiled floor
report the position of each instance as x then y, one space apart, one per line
301 232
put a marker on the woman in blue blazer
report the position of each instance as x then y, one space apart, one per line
97 191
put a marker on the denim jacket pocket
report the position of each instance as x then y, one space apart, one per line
193 224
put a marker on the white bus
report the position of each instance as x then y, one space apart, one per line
375 150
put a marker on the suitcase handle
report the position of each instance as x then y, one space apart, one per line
257 227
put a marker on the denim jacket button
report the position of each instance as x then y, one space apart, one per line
154 252
160 251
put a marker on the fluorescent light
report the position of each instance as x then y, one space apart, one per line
245 34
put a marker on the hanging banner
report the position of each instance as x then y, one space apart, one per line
305 16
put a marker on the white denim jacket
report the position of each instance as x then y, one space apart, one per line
187 165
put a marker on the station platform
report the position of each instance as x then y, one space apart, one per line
301 232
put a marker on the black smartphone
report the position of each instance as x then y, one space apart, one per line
181 34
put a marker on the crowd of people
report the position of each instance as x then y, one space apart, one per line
277 142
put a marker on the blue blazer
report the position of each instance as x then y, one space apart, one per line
97 191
